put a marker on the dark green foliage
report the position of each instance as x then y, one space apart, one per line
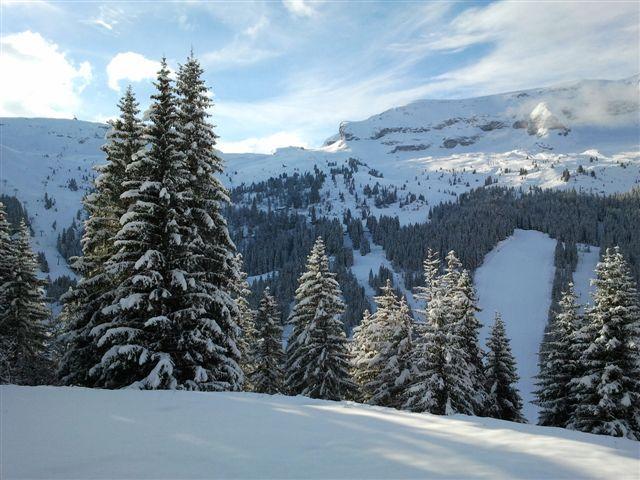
504 401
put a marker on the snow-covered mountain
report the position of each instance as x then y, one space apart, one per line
50 432
434 148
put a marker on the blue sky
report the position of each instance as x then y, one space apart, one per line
287 72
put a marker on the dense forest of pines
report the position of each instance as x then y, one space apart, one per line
164 299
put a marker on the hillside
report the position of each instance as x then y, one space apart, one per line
52 432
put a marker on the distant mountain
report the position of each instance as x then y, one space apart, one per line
433 149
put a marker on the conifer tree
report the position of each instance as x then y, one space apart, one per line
430 269
6 256
382 350
267 375
466 304
504 401
140 342
608 392
23 335
561 363
246 322
212 252
105 207
318 360
363 353
443 384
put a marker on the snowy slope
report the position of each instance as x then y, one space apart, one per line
52 432
515 280
588 257
39 156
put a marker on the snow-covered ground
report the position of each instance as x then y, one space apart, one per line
588 257
54 432
516 280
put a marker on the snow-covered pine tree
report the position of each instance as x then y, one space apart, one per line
503 400
443 383
267 375
466 304
139 343
246 322
318 357
6 256
83 304
210 339
608 392
382 347
22 329
363 352
560 364
431 271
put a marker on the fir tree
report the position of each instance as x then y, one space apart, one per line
318 360
23 335
608 392
140 343
504 401
382 351
212 253
7 255
466 304
267 375
561 364
443 381
83 304
246 322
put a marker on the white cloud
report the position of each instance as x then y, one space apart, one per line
266 144
130 66
38 79
300 8
558 41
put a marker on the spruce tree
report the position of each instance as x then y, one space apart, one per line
212 252
466 305
363 352
382 348
443 381
267 375
608 392
23 335
561 364
248 338
84 303
504 401
318 360
140 343
7 256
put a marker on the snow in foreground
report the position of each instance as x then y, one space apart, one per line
54 432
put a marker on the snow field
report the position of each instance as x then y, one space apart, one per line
55 432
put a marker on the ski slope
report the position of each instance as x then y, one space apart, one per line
56 432
516 279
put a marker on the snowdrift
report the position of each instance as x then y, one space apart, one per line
54 432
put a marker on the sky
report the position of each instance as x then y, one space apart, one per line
288 72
